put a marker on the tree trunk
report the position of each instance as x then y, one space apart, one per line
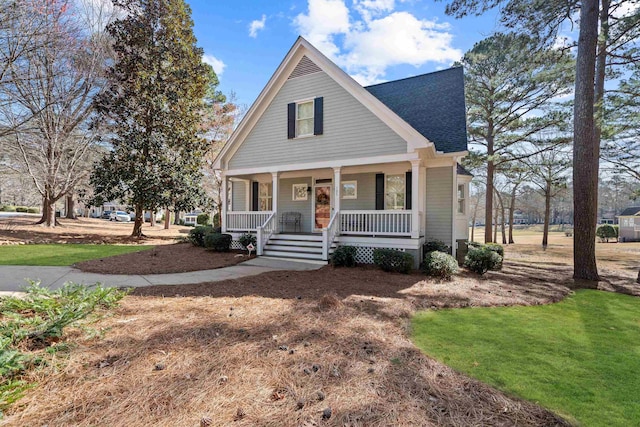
489 203
48 218
176 218
167 218
547 214
495 228
71 207
137 224
503 225
152 218
512 209
586 150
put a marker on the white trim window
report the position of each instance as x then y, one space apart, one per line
349 190
394 192
265 198
461 199
299 192
304 118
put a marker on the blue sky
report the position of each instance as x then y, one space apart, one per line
373 40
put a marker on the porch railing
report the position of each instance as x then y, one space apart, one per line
329 234
264 233
246 220
377 223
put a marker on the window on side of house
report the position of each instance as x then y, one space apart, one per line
349 190
461 198
265 197
394 192
304 118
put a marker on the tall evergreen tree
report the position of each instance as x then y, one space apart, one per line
152 108
510 86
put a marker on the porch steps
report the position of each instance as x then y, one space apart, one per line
296 246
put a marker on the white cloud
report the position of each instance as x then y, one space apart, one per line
381 39
256 26
217 64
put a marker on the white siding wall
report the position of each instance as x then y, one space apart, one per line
286 203
239 196
350 129
439 204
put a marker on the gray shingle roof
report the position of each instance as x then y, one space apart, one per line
433 104
634 210
462 171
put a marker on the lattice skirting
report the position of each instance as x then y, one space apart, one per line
236 245
364 254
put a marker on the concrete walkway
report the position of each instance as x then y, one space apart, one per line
14 278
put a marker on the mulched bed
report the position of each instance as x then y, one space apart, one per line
176 258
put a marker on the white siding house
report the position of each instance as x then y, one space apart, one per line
320 161
629 225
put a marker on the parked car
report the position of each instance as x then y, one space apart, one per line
120 216
106 215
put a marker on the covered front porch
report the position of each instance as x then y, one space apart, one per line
361 201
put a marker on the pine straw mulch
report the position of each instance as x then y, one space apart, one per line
280 349
176 258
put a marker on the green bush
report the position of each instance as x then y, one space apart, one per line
217 242
33 210
616 228
606 232
247 238
440 264
480 260
8 208
22 209
196 236
393 260
344 256
203 219
499 249
435 245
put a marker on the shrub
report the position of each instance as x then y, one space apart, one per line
499 249
247 238
393 260
196 236
605 232
217 242
33 210
203 219
8 208
616 228
344 256
480 260
435 245
22 209
440 264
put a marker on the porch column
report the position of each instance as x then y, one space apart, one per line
415 198
223 200
336 189
274 198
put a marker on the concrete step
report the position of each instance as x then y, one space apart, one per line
305 237
289 254
293 248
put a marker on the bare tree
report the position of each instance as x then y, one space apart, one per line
49 90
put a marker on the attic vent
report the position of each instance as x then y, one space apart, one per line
304 67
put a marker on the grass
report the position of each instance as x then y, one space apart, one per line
61 254
32 328
579 358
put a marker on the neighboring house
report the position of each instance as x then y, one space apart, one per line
191 218
629 225
320 161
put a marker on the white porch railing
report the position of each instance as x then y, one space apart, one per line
247 220
329 234
378 223
264 233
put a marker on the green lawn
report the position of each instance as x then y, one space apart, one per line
61 254
579 358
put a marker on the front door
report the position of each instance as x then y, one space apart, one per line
322 206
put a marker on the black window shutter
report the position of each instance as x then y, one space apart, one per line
379 191
317 116
255 205
291 120
407 186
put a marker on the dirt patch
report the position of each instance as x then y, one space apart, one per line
22 229
176 258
